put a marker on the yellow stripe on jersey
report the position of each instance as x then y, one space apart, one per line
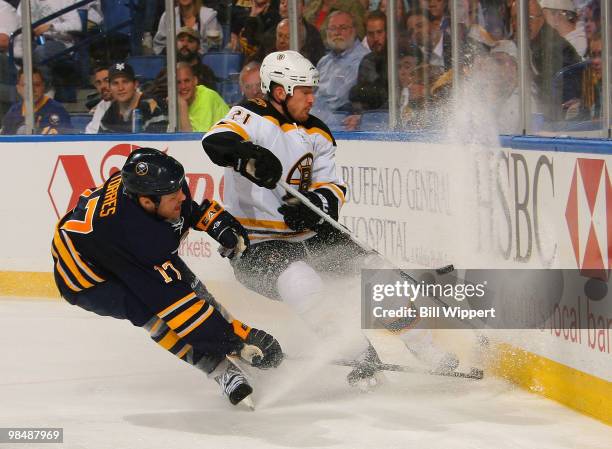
80 262
197 322
331 186
263 224
63 274
233 127
68 261
184 351
272 119
155 327
169 340
168 310
182 317
320 132
241 329
286 127
279 236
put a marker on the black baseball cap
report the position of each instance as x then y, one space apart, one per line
121 69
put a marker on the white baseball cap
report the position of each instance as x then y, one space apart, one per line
564 5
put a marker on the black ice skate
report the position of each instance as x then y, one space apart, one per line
235 385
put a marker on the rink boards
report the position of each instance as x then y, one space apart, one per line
535 203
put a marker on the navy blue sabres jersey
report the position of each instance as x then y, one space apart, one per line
108 232
109 236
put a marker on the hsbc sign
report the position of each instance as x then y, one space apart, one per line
74 173
589 217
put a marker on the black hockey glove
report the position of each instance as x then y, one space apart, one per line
268 352
298 216
258 164
223 227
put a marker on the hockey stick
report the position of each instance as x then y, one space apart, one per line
475 373
306 202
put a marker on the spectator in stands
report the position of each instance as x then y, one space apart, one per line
239 12
418 24
188 50
250 81
282 36
119 118
376 34
412 93
50 117
191 13
592 19
588 106
400 10
371 90
199 107
561 15
338 69
262 19
438 13
549 53
313 48
318 13
58 35
102 85
9 22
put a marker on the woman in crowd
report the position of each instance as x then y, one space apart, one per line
191 13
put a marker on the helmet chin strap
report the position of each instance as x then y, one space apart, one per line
283 104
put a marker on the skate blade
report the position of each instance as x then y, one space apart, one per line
248 403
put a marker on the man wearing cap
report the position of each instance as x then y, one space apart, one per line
188 50
549 52
127 98
561 15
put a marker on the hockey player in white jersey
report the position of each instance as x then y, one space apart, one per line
261 141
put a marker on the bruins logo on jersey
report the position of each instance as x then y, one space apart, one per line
301 173
258 102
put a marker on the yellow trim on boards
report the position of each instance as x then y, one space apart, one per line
575 389
28 284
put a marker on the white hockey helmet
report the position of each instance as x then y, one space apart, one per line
289 69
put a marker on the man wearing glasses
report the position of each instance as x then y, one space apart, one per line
338 69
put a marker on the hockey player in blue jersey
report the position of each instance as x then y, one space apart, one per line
115 254
50 117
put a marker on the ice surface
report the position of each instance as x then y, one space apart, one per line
109 386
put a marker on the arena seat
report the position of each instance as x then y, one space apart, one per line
223 63
147 67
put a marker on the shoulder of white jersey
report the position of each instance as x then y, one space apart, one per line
316 125
258 106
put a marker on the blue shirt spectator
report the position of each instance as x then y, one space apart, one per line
338 69
50 117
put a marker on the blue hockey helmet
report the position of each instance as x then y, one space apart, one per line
149 172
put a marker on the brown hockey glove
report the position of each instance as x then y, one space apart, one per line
223 227
261 349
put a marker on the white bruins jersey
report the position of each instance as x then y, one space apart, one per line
307 154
